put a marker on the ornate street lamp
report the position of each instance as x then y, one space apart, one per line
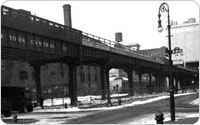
164 7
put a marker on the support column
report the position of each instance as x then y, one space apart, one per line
140 82
150 89
130 80
37 70
162 83
176 85
103 82
183 84
150 77
156 89
107 86
159 83
196 79
72 84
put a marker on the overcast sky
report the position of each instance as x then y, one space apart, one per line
137 20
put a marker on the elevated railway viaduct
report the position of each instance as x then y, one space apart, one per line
38 41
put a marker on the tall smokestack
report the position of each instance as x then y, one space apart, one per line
67 15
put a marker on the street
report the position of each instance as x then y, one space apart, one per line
141 113
128 114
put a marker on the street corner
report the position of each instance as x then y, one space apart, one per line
194 120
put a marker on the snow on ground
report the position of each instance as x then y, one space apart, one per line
144 119
62 114
82 99
51 118
76 109
195 102
150 118
58 118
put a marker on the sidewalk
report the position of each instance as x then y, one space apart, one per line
193 120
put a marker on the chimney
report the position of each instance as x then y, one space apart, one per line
67 15
118 37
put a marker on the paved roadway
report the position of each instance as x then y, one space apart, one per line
115 116
128 114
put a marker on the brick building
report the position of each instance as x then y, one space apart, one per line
54 78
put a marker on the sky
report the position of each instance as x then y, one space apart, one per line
137 20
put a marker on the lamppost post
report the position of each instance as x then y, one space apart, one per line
163 8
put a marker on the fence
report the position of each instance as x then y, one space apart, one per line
115 45
94 98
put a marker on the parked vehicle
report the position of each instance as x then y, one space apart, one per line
15 98
5 107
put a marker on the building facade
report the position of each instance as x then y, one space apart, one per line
186 36
54 78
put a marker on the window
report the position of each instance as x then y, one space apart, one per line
23 75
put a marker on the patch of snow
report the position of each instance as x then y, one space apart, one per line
61 118
97 99
76 109
70 112
150 118
195 102
82 99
